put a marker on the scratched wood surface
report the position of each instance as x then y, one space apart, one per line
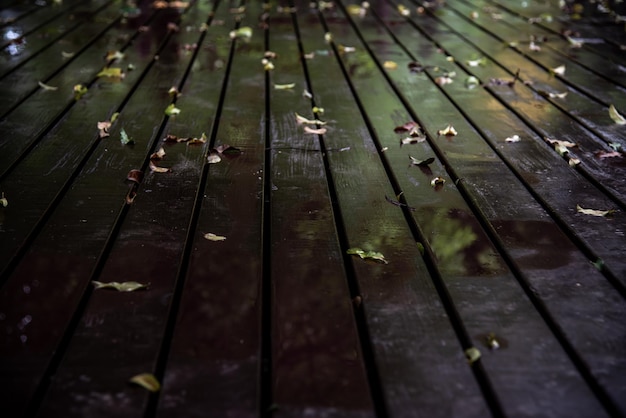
490 293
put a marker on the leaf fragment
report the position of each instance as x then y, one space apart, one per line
616 116
125 139
390 65
156 169
407 127
302 120
412 140
288 86
319 131
47 87
477 62
492 341
594 212
552 95
214 157
447 131
443 80
212 237
113 55
120 286
146 381
373 255
607 154
158 155
226 149
513 138
560 70
471 82
173 91
3 201
103 128
427 161
111 72
437 182
472 354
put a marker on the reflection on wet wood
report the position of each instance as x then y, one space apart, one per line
484 247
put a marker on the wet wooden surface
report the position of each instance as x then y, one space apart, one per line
277 318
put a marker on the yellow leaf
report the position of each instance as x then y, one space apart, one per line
146 381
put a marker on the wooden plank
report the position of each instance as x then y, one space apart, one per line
23 80
16 10
419 360
214 364
317 365
54 156
89 210
421 95
600 237
27 37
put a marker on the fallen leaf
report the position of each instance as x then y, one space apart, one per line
403 10
615 145
228 150
477 62
212 237
514 138
447 131
113 55
125 139
471 82
367 254
67 54
120 287
437 181
552 95
472 354
156 169
103 128
319 131
158 155
146 381
594 212
412 140
135 176
243 32
328 37
303 120
534 47
390 65
615 115
172 110
47 87
307 94
196 141
173 91
410 125
213 157
267 64
79 91
492 342
560 70
270 55
443 80
3 201
319 110
573 162
111 72
608 154
284 86
427 161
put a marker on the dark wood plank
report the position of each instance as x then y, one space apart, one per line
23 80
468 168
316 356
13 11
417 354
214 365
90 210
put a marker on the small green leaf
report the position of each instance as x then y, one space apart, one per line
125 139
472 354
172 110
111 72
598 264
79 91
367 254
146 381
243 32
120 287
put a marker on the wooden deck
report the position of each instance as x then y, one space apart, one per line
279 319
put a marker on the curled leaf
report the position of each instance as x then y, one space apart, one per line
79 91
47 87
472 354
213 157
158 155
103 128
616 116
172 110
303 120
146 381
135 176
284 86
594 212
3 201
447 131
427 161
319 131
156 169
120 287
373 255
212 237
